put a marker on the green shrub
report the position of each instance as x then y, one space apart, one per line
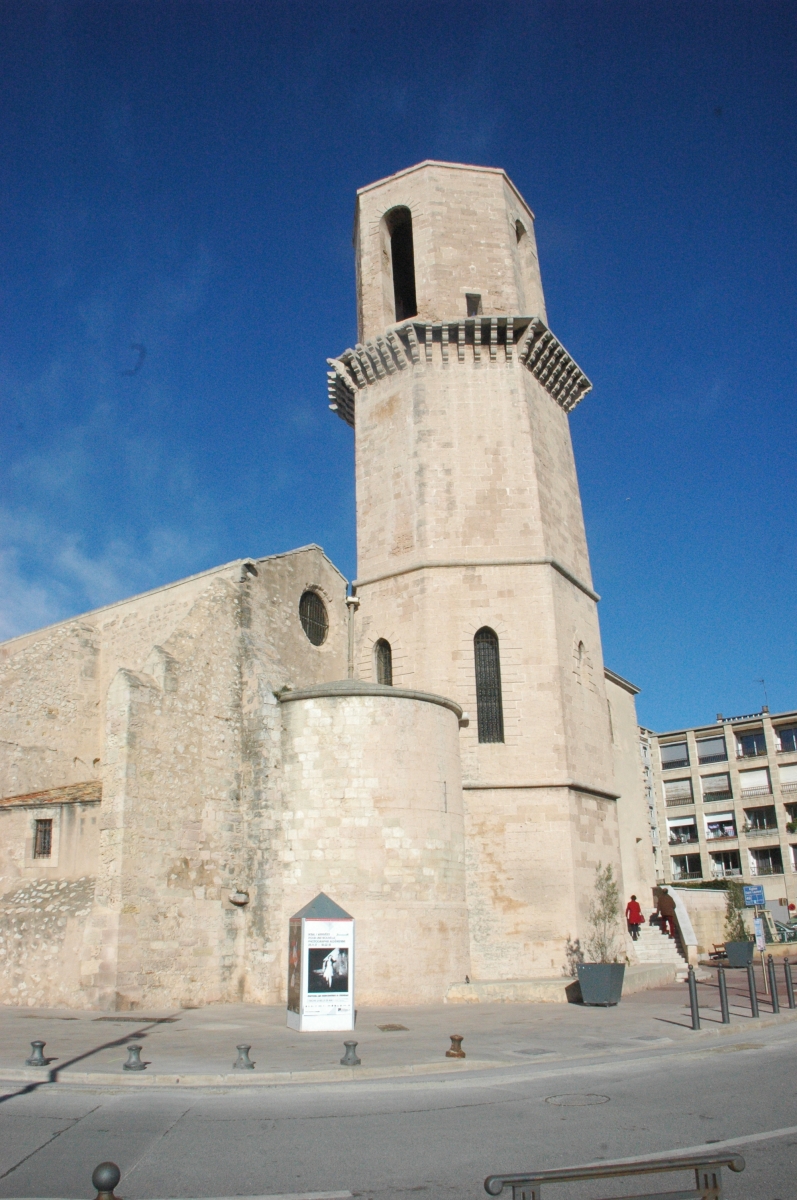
735 928
603 943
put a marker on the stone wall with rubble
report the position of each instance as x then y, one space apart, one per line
187 742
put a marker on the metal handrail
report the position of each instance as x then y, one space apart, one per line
707 1168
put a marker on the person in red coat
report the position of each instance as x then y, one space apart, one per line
634 917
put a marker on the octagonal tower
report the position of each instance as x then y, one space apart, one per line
473 572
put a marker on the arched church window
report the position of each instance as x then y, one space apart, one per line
383 656
489 706
402 254
313 615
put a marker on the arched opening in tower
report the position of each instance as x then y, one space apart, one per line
399 226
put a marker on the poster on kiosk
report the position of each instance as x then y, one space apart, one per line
321 967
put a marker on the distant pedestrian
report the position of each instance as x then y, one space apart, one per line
634 917
665 907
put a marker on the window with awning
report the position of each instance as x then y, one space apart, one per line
674 754
673 822
712 749
788 773
756 781
716 786
678 791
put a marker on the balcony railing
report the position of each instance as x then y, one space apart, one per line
679 875
761 831
751 754
705 759
677 801
682 841
710 797
676 763
766 871
720 837
789 787
764 790
727 872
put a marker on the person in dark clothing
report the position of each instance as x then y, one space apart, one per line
633 915
665 907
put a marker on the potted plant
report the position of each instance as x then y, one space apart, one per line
601 978
738 944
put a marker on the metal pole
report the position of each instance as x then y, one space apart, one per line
726 1016
764 973
751 985
693 998
773 984
789 982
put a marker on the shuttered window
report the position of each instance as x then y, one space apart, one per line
716 787
678 791
755 782
674 754
712 750
489 706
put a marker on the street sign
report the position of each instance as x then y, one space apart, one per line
754 895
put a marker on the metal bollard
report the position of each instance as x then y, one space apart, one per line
726 1016
456 1050
134 1062
36 1059
350 1059
789 982
105 1178
751 986
243 1062
773 984
693 998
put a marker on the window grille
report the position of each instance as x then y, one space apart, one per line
313 615
384 662
43 839
489 707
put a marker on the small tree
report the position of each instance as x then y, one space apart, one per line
603 943
735 928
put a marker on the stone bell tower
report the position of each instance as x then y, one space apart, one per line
473 572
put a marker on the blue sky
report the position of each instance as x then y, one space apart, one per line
182 177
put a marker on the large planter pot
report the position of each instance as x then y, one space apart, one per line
601 983
740 954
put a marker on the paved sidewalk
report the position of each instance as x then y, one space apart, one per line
197 1047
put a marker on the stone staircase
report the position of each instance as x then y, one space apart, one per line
653 946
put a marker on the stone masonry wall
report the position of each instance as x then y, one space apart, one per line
373 816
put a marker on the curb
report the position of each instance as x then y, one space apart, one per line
250 1079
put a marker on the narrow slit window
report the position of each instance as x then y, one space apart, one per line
474 303
402 256
43 839
384 662
489 706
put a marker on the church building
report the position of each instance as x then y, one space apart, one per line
438 746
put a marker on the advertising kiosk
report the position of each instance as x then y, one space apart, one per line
321 967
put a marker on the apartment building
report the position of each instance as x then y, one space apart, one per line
726 796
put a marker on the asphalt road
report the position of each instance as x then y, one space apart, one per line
403 1138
